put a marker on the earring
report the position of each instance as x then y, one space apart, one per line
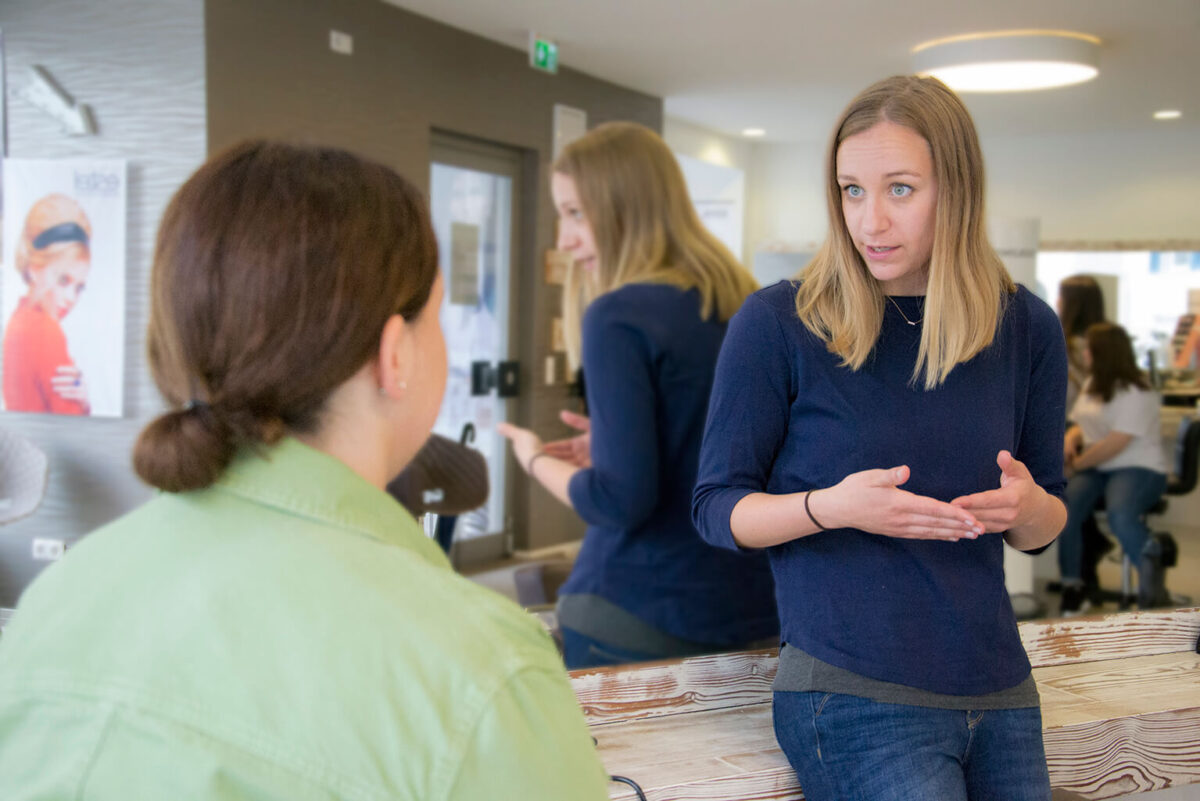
400 385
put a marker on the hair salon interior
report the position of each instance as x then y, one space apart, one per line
471 100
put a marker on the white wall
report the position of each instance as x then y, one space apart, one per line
1104 187
786 183
1100 187
716 148
140 65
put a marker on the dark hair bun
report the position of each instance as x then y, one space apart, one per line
183 450
275 270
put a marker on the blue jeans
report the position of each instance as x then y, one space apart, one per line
845 748
1128 492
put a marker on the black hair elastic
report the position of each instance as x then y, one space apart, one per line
808 511
63 232
194 405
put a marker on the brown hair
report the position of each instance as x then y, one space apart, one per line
51 212
1082 304
646 229
841 303
1113 364
275 270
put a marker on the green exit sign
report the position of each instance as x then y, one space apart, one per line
543 54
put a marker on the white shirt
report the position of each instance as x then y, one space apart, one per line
1133 411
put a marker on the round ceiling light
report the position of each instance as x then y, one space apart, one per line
1009 61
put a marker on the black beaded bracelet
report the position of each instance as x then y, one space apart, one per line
808 511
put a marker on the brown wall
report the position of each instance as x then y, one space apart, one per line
270 72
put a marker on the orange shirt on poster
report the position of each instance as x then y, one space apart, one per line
34 348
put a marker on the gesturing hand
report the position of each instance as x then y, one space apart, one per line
525 443
1014 504
872 501
575 450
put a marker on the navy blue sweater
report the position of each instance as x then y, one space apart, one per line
649 361
786 417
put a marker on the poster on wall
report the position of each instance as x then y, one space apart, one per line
64 286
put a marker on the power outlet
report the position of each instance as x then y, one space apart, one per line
341 42
47 550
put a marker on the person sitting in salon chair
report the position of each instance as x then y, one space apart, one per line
1112 451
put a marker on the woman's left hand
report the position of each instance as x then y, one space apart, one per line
1011 506
525 443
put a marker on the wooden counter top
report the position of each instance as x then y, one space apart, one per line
1120 705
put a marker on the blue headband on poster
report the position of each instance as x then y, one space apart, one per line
63 232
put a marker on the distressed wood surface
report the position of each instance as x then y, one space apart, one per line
670 688
729 680
701 728
1087 639
1091 692
1111 728
1124 756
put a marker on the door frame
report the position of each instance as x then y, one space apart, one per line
458 150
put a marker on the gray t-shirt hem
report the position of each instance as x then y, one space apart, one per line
599 618
799 671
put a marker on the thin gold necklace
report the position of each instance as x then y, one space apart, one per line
902 314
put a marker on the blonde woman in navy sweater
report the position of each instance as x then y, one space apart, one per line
882 429
655 290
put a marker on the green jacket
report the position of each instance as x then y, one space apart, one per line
288 633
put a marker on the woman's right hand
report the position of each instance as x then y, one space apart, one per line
573 450
872 501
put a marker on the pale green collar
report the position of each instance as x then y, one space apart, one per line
303 481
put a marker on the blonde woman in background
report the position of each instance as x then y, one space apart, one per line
646 310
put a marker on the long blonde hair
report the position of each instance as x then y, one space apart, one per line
840 302
645 228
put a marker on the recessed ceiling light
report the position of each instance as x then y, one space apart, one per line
1009 61
1168 114
753 132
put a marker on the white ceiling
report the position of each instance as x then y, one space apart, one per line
789 66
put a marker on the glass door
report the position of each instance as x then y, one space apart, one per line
473 197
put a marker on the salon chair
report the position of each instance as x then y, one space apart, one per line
444 479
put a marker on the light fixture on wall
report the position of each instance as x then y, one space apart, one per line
753 132
1009 61
1168 114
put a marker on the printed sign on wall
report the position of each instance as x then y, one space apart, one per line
64 286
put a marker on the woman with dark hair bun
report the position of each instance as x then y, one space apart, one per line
274 625
1113 451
